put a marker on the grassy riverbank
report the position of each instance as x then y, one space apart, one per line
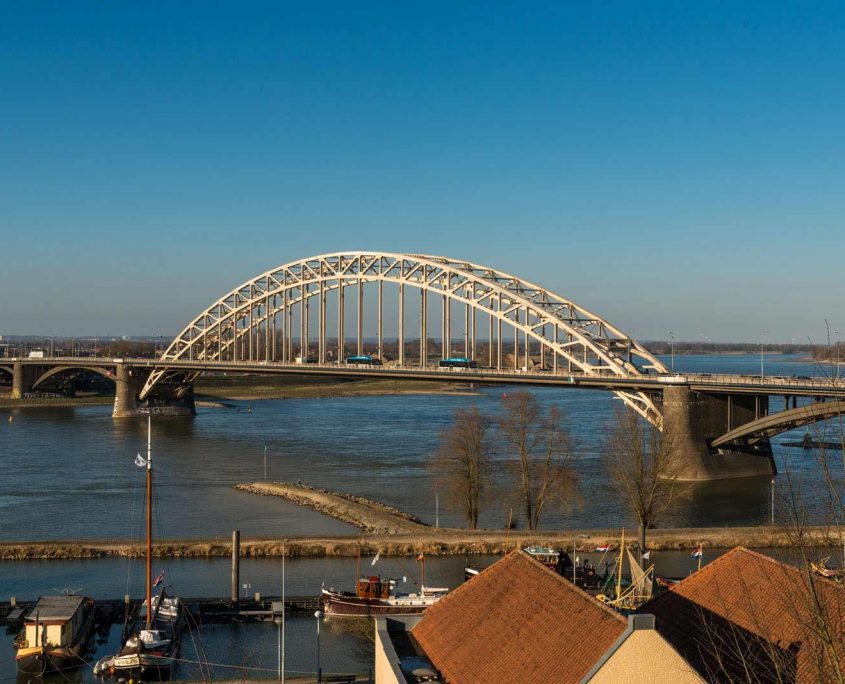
435 542
219 388
9 403
251 388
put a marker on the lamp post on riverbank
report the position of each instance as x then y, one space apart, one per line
318 614
672 347
762 340
281 663
772 519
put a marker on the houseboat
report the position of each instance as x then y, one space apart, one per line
55 635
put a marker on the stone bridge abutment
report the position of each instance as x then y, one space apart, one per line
692 420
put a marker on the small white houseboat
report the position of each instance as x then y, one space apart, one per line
55 635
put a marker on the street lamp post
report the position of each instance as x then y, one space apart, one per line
672 347
318 614
762 340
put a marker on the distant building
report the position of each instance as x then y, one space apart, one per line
518 621
746 612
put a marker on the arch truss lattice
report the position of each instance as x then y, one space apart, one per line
506 321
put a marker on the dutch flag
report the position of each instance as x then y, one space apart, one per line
602 549
698 553
159 579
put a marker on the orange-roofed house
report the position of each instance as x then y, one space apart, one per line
518 621
748 617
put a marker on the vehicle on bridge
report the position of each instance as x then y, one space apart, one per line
364 359
458 362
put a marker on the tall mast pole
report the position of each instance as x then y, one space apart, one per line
149 521
619 571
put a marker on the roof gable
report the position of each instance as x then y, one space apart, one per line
517 621
747 609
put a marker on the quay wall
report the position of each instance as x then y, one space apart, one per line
436 542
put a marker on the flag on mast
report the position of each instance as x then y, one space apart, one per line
698 553
646 555
140 461
159 579
375 559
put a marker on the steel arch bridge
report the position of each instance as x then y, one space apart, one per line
274 316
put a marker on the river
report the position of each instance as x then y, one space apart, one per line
69 474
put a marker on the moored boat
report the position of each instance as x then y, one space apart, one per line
150 652
376 596
55 635
152 646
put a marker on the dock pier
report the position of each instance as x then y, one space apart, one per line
205 610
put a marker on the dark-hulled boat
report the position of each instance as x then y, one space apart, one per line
55 635
376 596
150 651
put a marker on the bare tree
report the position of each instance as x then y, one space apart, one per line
543 449
463 461
641 469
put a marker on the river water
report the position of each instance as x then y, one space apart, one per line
69 474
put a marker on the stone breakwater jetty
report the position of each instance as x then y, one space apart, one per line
432 542
367 515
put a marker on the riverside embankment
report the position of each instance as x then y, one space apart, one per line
432 542
393 532
365 514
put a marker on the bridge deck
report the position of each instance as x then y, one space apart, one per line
700 382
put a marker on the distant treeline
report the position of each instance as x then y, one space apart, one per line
833 352
146 348
665 347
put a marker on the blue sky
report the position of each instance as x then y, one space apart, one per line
667 165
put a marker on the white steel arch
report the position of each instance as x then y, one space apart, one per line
249 322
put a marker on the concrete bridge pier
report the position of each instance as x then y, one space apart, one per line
691 420
23 377
128 383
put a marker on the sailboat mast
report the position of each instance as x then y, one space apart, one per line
149 521
619 572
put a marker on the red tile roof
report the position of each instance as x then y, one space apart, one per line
517 621
747 610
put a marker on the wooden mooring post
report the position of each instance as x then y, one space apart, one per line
236 556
